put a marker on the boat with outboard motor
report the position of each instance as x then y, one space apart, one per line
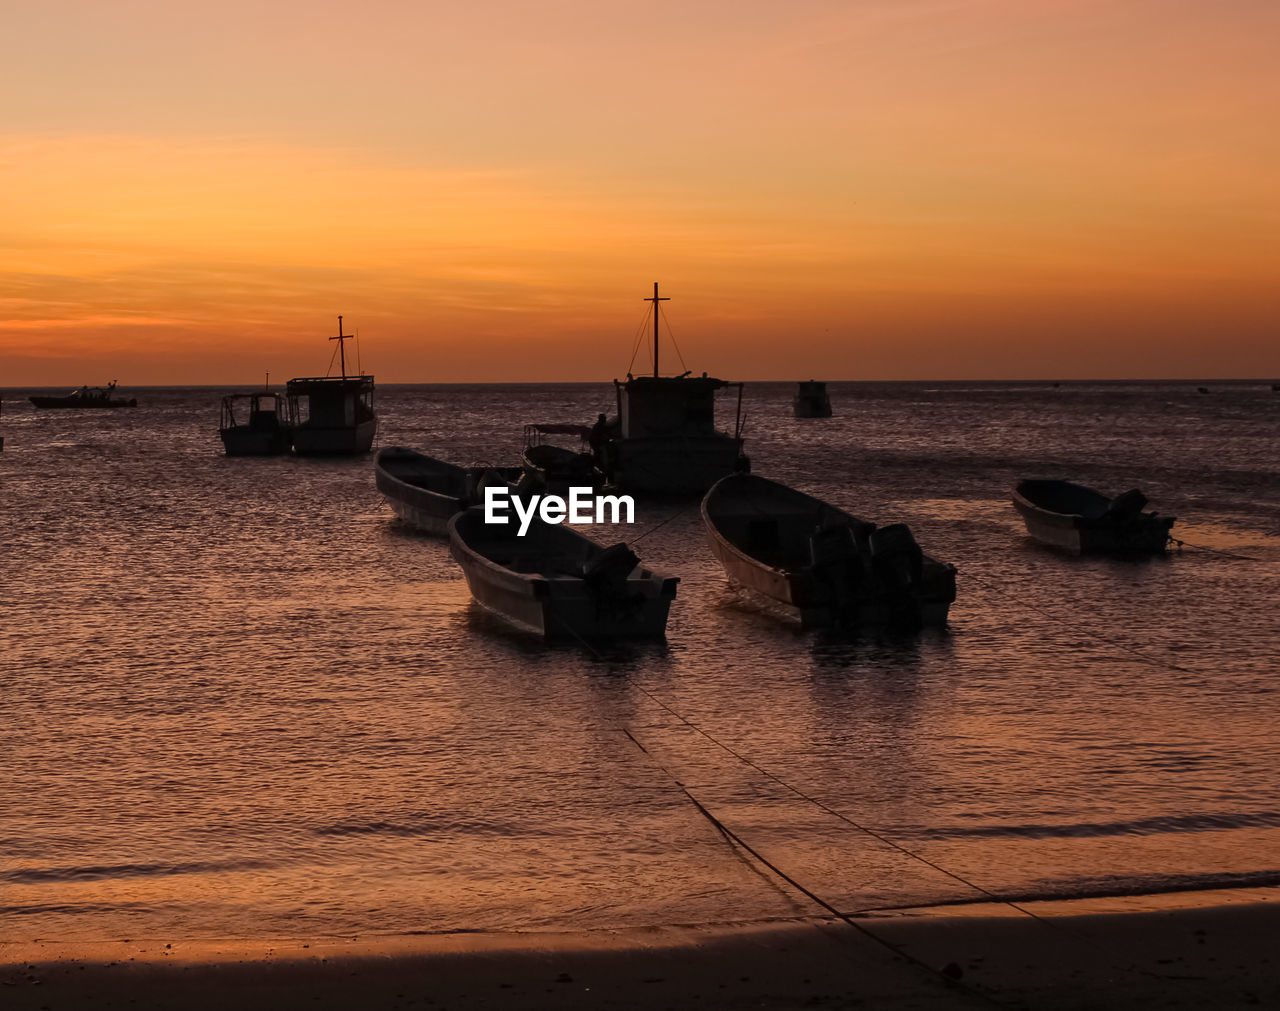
1081 520
558 583
814 563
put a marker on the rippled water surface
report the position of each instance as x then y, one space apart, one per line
237 698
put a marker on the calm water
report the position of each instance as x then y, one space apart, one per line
237 698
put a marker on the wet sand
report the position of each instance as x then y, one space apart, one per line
1186 950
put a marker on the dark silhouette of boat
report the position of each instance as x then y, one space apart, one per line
811 400
332 415
255 424
87 398
558 583
1081 520
819 565
555 468
426 493
665 440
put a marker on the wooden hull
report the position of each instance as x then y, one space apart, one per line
309 440
760 531
1089 529
679 466
533 584
423 492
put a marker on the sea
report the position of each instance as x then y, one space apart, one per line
239 699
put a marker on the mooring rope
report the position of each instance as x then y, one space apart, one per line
735 839
1217 551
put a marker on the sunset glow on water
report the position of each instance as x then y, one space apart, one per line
238 698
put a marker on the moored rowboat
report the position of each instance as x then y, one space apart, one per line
558 583
425 492
1081 520
816 563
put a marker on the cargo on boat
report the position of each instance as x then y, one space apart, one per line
814 563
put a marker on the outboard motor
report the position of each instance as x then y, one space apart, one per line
896 556
1127 506
606 573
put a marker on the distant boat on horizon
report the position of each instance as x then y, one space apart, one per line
86 397
811 400
332 415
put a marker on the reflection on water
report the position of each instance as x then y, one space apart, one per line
239 698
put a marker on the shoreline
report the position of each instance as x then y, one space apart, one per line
1181 949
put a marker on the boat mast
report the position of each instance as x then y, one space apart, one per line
655 300
342 356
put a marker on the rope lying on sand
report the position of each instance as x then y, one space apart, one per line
734 839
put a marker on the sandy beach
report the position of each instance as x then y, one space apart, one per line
1179 951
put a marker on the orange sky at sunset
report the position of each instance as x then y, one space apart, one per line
879 189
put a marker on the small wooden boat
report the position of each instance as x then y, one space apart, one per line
87 398
332 415
252 425
1080 520
425 492
811 400
819 565
558 583
556 468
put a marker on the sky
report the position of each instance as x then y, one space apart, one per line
837 189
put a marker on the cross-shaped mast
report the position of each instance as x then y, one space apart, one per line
342 357
655 300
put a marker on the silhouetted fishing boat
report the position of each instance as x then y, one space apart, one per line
555 468
665 441
252 424
87 397
332 415
1080 520
816 564
425 492
558 583
811 400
